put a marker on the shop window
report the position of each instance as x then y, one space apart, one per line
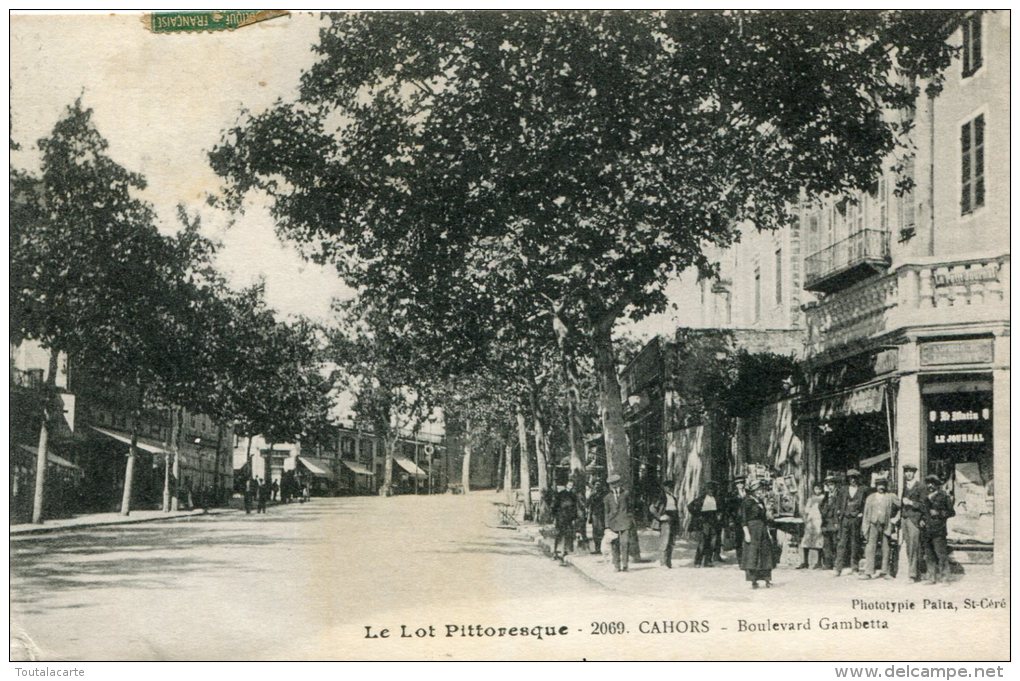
971 45
972 165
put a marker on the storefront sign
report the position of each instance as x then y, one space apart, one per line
980 351
886 361
956 277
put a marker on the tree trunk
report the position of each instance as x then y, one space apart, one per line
540 450
41 457
390 443
251 473
129 470
522 436
501 471
573 432
614 431
465 466
611 408
166 461
216 488
508 469
175 447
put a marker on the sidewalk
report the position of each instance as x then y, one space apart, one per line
103 519
726 581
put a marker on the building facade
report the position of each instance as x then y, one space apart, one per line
907 347
88 448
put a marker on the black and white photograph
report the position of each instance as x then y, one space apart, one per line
505 334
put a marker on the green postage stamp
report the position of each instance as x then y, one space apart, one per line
207 20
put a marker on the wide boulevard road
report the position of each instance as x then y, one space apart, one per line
370 578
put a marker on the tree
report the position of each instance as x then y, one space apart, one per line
601 151
86 259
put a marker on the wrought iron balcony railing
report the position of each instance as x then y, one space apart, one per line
845 262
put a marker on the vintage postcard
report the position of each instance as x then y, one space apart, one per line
510 335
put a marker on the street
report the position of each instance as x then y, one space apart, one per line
323 580
275 586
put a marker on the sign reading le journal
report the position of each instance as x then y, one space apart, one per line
979 351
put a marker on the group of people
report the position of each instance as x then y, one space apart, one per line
259 492
839 521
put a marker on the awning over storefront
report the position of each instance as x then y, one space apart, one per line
357 468
410 467
52 458
316 467
875 460
863 400
126 439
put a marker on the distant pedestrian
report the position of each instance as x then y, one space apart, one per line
275 489
706 511
306 493
620 520
911 513
564 512
250 492
597 514
938 509
263 496
812 538
758 557
877 525
666 511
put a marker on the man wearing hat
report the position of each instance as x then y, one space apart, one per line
829 508
938 508
851 509
733 518
619 520
911 509
876 525
705 511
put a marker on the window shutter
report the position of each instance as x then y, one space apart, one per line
965 206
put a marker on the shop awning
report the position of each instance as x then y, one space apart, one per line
52 458
864 400
410 467
316 467
126 439
875 460
357 468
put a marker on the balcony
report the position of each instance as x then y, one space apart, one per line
925 293
844 263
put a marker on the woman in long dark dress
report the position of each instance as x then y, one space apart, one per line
757 559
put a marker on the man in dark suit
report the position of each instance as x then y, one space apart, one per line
830 510
911 513
597 514
620 520
705 511
938 509
851 510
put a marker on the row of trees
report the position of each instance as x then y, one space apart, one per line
144 313
502 188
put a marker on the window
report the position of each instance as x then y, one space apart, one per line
971 45
779 276
757 293
972 165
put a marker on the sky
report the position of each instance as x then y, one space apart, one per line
162 101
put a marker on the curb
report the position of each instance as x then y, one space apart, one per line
540 540
49 529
